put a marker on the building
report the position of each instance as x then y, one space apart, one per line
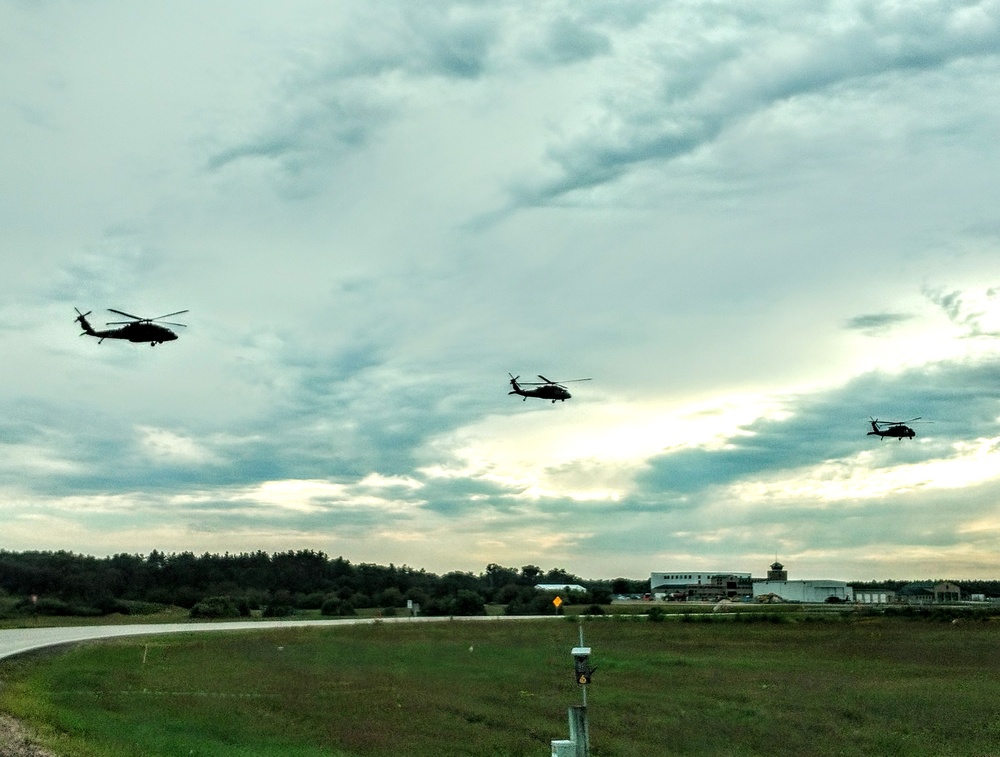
700 585
878 597
821 590
565 588
928 592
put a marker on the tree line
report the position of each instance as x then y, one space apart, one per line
213 585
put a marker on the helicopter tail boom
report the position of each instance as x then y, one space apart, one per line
81 318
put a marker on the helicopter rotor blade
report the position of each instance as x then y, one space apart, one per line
167 315
127 315
547 381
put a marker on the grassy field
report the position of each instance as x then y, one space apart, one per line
727 687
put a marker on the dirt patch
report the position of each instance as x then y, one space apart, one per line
16 742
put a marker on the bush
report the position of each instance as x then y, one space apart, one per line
593 610
469 603
312 601
215 607
48 606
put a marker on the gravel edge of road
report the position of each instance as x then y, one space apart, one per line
16 740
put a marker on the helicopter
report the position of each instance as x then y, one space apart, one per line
897 429
549 390
135 330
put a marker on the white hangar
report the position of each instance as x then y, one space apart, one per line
820 590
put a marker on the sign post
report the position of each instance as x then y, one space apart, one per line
579 733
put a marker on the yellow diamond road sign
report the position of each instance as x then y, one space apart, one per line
557 601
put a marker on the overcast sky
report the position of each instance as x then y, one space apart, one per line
753 226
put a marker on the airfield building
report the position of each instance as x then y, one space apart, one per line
700 585
566 588
777 586
929 592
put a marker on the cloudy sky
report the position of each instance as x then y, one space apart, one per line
754 226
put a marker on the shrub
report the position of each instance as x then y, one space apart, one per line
469 603
215 607
278 610
52 606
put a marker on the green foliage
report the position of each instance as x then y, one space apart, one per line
530 602
215 607
278 610
390 597
656 614
303 580
338 607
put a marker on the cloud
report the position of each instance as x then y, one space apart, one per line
346 94
976 312
568 40
876 324
742 65
830 429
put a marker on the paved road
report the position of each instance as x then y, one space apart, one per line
15 641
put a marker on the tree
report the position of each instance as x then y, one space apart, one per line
530 574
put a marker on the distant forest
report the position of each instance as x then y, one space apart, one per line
273 585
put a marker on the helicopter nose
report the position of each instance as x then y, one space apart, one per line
169 336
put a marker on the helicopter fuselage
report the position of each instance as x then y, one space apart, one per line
138 332
545 392
897 431
550 390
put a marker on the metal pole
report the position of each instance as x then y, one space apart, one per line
578 730
579 734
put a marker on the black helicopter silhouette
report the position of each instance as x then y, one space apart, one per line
549 390
135 330
896 429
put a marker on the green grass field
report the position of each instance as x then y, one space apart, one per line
840 687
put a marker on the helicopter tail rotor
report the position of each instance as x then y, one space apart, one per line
81 318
